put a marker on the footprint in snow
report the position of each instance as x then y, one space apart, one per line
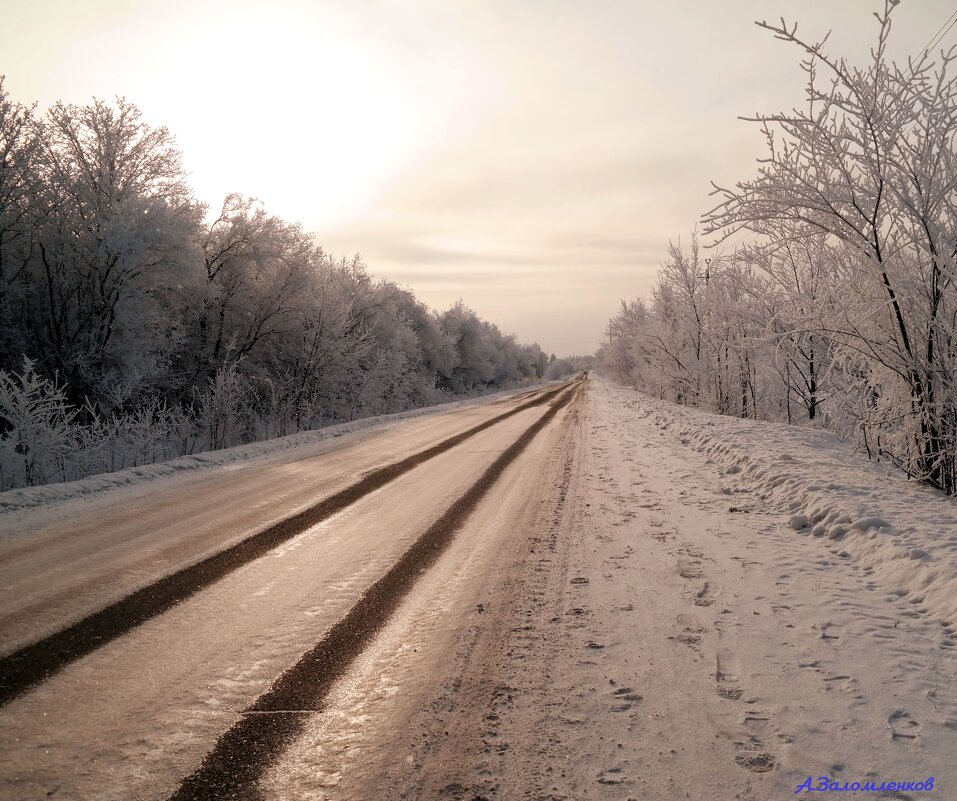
727 676
624 699
689 569
753 757
612 776
903 726
708 594
691 631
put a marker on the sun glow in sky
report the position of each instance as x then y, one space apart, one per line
533 158
284 102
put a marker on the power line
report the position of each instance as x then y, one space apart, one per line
938 39
951 19
935 40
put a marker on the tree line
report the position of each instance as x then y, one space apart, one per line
138 325
836 305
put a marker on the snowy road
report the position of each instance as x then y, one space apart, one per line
568 603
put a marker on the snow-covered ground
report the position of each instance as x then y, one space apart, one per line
651 603
658 630
904 532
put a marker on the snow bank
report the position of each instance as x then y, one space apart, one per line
26 497
903 533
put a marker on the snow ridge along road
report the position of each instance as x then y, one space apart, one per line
240 757
31 664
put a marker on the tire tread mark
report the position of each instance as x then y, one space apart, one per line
34 663
243 753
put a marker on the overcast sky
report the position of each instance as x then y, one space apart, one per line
532 157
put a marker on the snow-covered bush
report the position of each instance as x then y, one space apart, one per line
222 413
39 431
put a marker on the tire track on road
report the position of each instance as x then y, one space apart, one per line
241 755
32 664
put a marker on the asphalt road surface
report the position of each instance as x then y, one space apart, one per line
177 646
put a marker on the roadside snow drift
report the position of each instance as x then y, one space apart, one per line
906 533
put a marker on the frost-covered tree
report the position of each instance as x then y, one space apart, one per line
19 186
475 356
152 329
256 271
841 309
800 300
113 236
870 163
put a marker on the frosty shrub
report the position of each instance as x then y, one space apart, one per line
223 411
39 429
